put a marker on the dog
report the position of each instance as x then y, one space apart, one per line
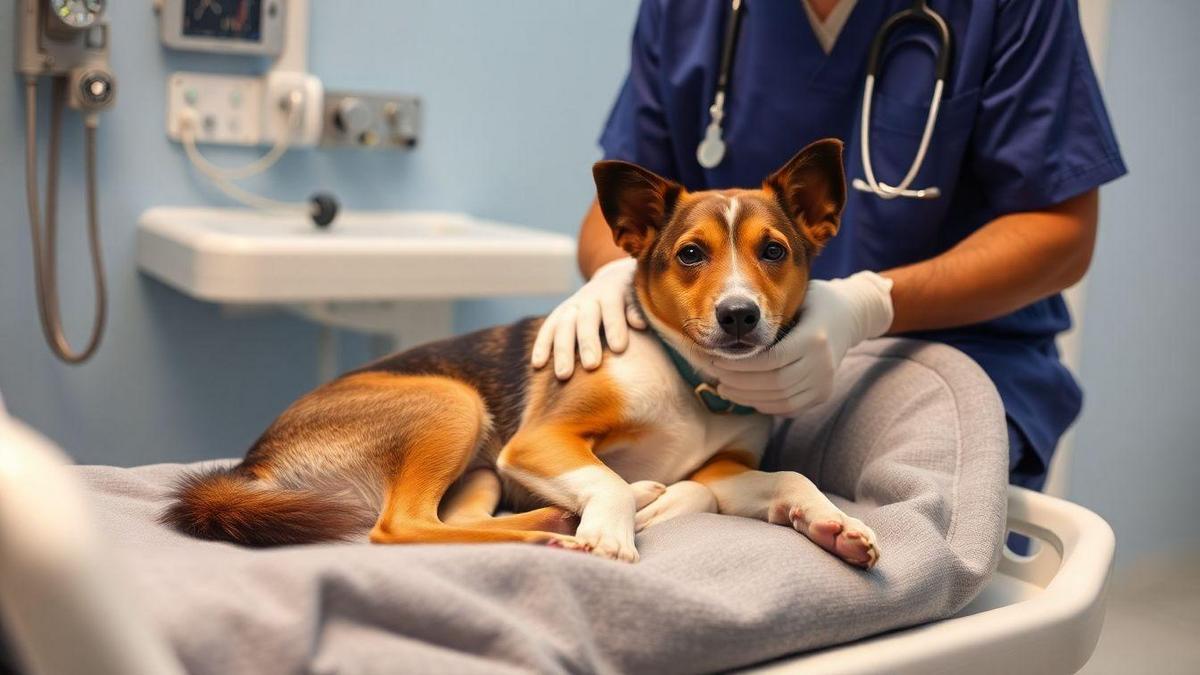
427 444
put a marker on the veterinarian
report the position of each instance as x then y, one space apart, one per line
999 218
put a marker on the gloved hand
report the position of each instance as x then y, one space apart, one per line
605 299
797 373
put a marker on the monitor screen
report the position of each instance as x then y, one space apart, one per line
223 19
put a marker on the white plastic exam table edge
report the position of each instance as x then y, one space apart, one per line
63 609
1052 629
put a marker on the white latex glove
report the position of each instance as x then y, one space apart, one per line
604 300
798 372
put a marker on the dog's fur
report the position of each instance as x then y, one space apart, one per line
423 446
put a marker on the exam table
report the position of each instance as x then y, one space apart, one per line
89 584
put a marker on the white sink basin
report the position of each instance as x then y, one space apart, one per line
245 256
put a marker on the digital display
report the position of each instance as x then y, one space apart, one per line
224 19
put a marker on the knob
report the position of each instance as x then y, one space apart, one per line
94 89
352 117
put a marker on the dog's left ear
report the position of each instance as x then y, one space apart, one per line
811 188
636 203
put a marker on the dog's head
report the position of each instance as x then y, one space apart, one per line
726 270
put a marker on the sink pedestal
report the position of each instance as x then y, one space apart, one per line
398 324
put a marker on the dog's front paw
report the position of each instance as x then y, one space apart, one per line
844 536
679 499
567 542
609 540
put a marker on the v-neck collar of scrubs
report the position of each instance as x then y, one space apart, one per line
828 29
843 67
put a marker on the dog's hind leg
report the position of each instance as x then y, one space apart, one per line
473 500
433 460
556 519
547 518
397 526
403 522
474 497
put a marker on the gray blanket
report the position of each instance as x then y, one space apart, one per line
914 439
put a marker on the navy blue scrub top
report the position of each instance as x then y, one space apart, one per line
1022 127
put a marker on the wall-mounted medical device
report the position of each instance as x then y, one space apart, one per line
225 26
285 108
66 41
362 120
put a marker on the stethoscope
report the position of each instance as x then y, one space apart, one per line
711 150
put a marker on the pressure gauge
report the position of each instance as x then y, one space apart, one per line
76 14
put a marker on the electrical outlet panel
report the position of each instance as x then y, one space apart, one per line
227 109
237 110
381 121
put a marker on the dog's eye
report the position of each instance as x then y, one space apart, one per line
773 252
690 255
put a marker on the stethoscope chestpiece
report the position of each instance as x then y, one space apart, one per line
711 150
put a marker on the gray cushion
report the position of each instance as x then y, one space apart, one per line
914 435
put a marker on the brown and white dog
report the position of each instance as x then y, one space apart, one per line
425 445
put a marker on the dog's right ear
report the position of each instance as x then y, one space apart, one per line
635 202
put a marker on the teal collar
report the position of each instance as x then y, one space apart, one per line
705 392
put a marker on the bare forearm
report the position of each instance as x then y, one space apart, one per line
1005 265
596 245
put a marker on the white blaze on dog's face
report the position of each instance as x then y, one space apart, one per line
727 270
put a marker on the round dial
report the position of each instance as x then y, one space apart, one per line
77 13
352 117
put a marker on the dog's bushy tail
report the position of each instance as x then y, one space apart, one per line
229 505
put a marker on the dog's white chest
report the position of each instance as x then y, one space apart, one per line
681 433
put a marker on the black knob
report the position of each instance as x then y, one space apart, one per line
324 209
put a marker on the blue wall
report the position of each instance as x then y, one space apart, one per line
1137 455
515 93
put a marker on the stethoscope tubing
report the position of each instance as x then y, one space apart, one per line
711 150
921 13
883 190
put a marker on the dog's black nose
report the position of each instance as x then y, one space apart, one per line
737 316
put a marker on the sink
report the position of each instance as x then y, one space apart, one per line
243 256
